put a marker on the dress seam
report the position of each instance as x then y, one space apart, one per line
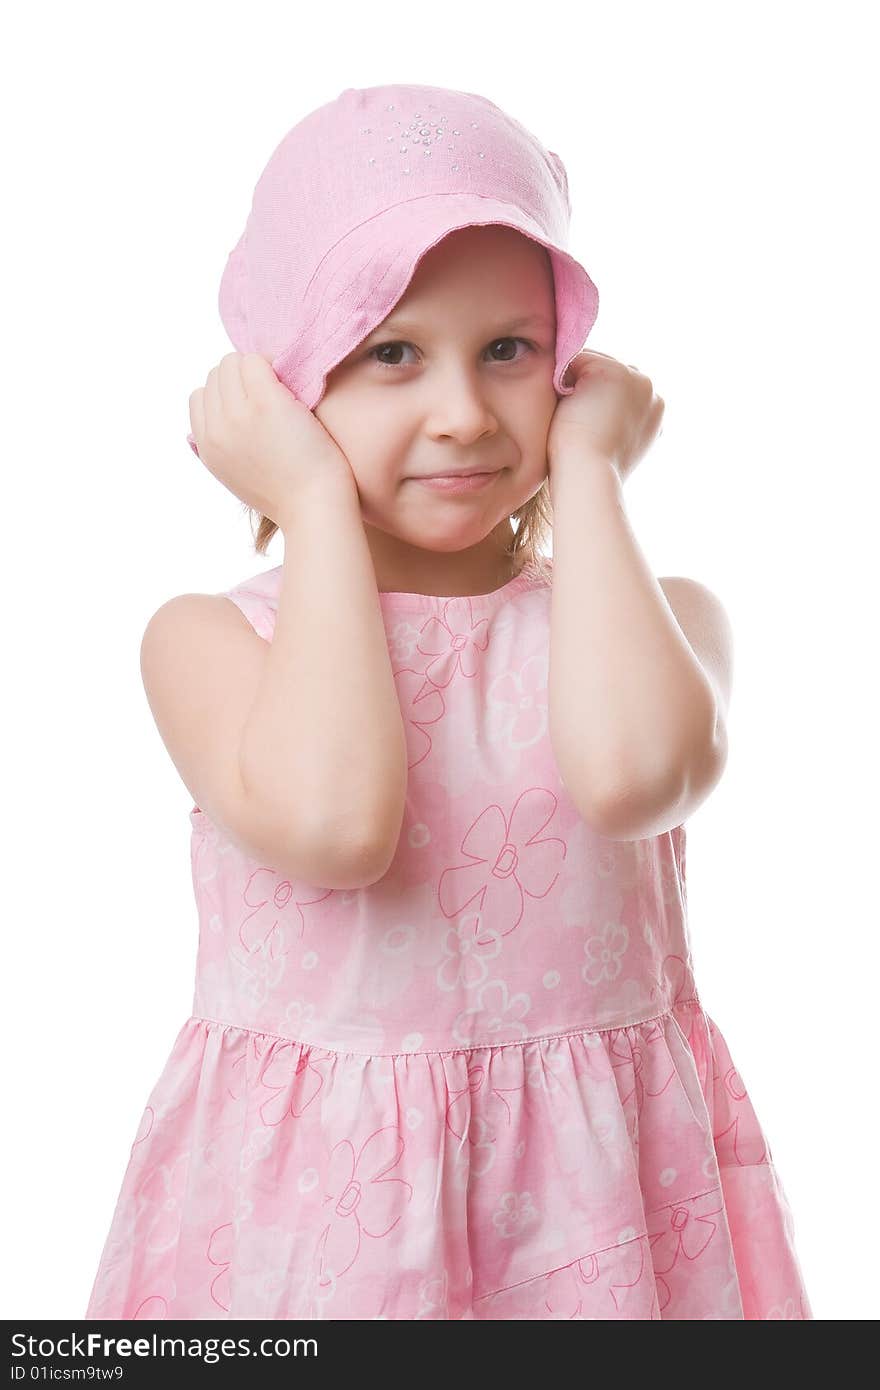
615 1245
444 1051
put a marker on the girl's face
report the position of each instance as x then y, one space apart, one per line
454 378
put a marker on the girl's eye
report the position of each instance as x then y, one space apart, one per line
393 347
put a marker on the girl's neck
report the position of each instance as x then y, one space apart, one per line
402 568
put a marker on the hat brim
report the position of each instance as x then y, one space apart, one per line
364 275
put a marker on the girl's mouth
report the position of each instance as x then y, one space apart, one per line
463 482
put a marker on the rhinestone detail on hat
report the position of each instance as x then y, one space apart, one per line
422 134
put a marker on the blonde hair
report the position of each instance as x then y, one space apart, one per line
534 525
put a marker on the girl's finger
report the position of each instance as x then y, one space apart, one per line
197 413
231 386
213 401
253 370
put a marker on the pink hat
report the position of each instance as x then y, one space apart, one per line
351 200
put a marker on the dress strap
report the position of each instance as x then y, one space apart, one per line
257 598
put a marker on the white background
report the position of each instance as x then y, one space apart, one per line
722 165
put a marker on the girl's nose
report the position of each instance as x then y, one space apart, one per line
459 406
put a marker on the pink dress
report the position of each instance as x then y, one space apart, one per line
484 1087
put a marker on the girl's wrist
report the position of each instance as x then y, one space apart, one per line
312 505
588 467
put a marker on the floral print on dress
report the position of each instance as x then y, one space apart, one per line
276 911
469 950
454 641
362 1198
510 861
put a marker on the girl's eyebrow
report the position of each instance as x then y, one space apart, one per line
396 325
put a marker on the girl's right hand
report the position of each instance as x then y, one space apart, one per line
260 441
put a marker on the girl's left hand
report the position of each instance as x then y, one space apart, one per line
613 413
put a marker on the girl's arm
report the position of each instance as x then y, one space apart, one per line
325 731
636 728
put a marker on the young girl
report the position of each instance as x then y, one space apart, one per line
447 1058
